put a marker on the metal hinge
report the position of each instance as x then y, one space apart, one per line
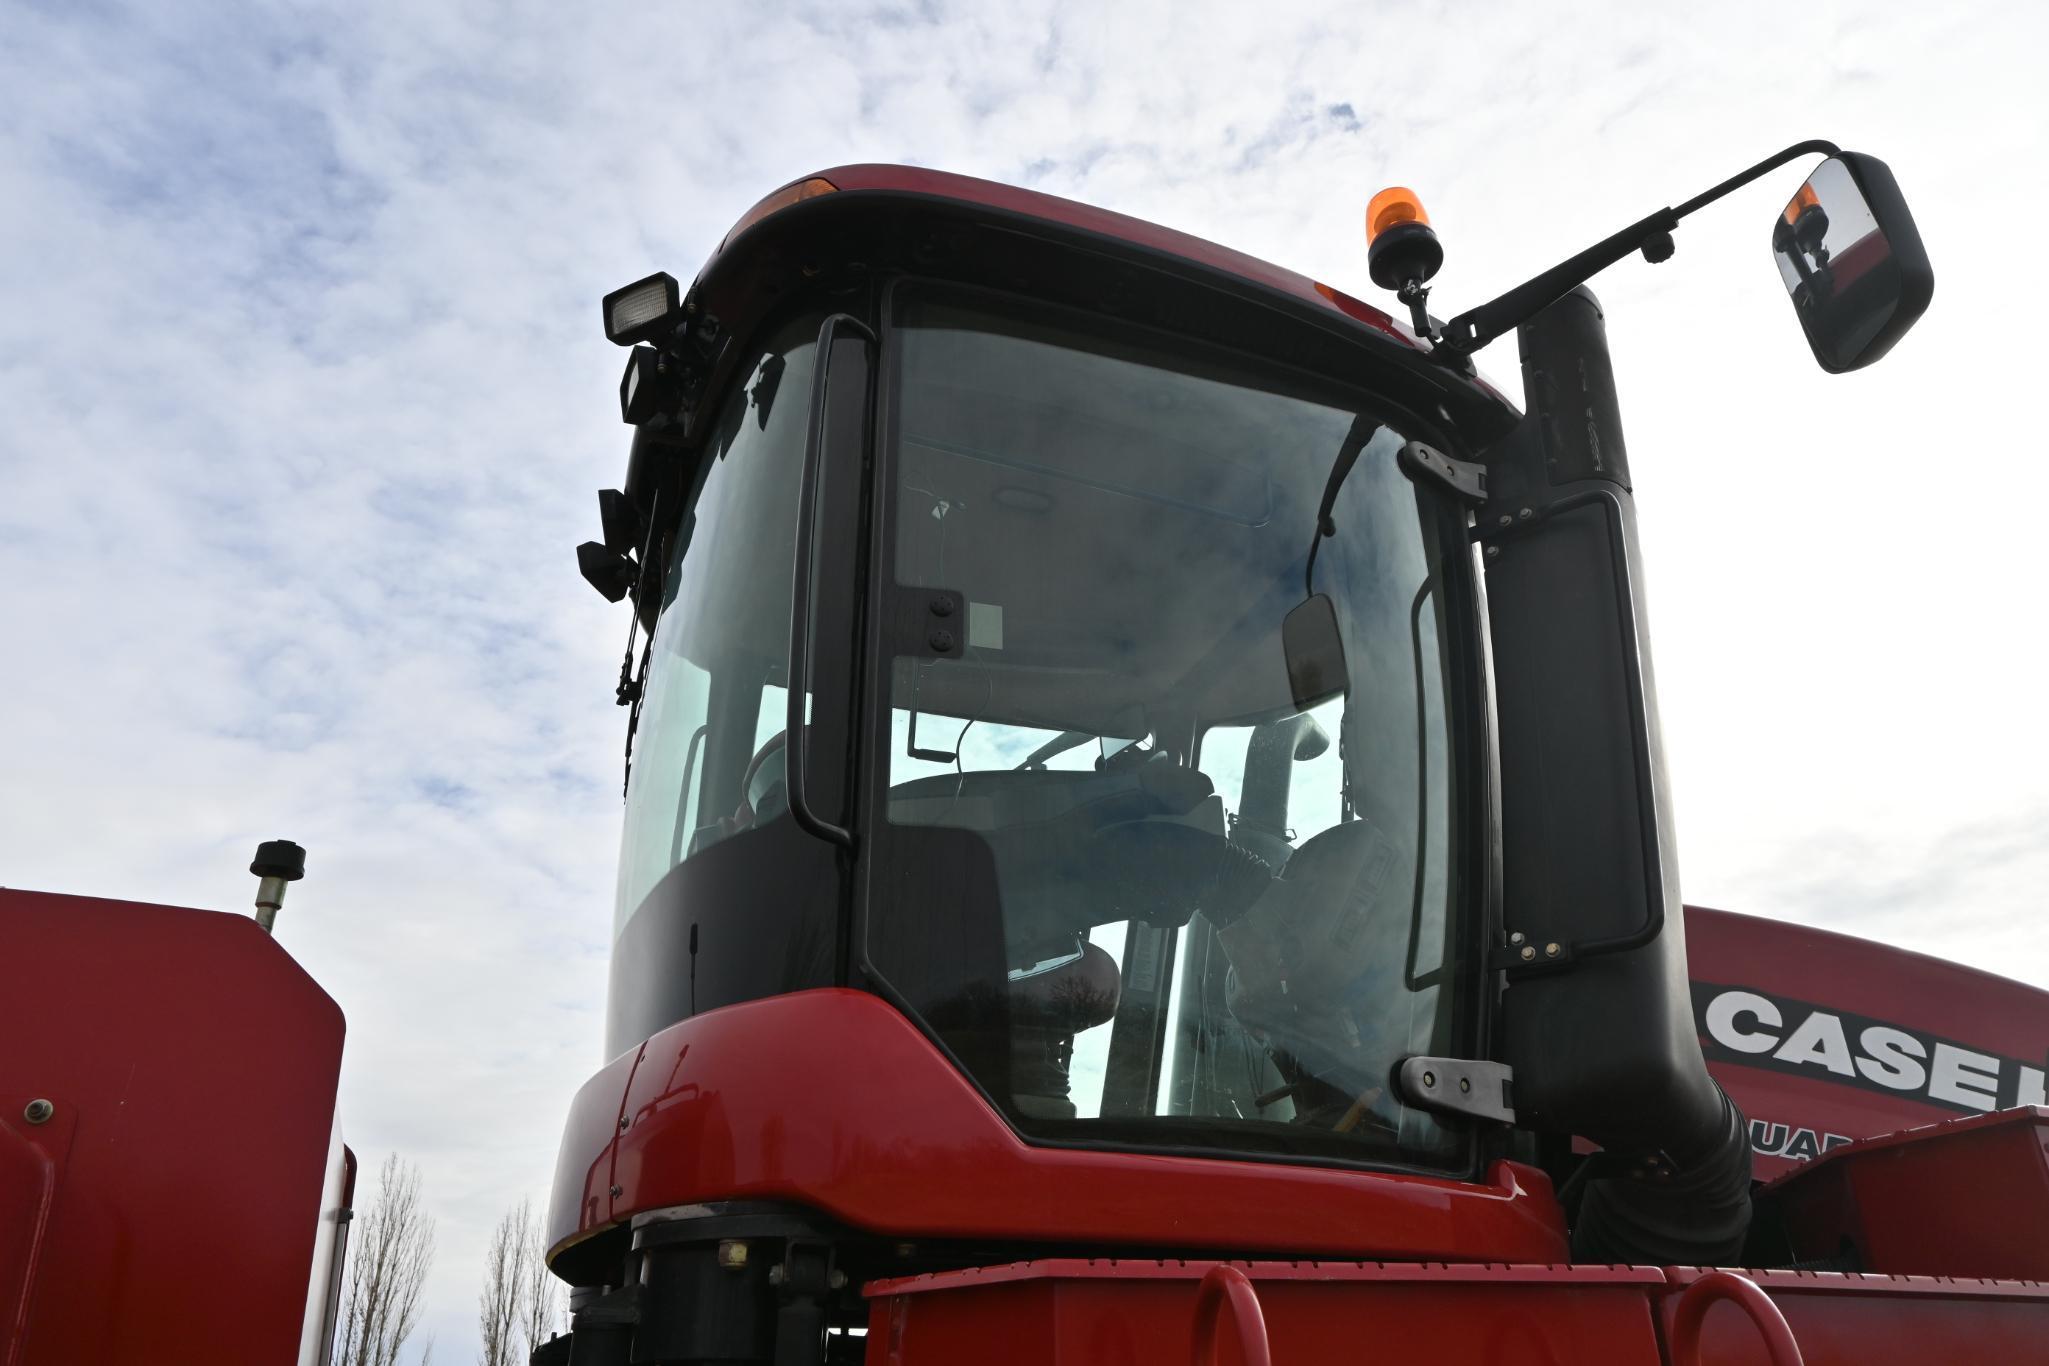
1473 1087
1462 477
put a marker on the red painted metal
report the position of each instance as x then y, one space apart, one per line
1969 1197
881 1131
1837 973
167 1210
918 180
1720 1287
1227 1289
1061 1312
1846 1320
1064 1312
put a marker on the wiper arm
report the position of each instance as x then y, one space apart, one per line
1059 744
1362 432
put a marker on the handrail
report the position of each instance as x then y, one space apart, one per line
1713 1289
1227 1287
800 595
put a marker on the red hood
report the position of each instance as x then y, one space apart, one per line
1820 1038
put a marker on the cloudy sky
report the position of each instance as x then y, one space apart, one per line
305 404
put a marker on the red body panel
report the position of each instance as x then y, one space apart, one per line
192 1066
1976 1041
881 1132
1137 1313
1053 209
1969 1197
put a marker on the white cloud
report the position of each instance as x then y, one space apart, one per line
306 400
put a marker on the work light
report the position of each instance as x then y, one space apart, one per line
641 310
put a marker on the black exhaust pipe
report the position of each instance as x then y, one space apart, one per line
1597 1013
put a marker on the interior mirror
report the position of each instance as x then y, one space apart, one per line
1852 261
1316 652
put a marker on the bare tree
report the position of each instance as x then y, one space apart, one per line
501 1305
518 1306
543 1293
391 1251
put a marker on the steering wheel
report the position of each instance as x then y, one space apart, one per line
1163 871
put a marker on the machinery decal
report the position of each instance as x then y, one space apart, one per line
1772 1139
1740 1024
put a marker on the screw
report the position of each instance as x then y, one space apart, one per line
1528 953
625 1122
1430 1079
942 641
38 1111
942 607
1525 514
1507 520
1465 1084
1493 552
732 1254
618 1191
1550 950
1516 938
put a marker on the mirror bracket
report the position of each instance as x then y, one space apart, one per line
1652 236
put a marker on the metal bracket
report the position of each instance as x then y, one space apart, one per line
1464 478
1472 1087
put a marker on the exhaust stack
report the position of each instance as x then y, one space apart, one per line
277 862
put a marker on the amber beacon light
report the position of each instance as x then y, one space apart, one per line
1402 250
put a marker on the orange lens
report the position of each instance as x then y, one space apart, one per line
1806 199
1393 205
782 199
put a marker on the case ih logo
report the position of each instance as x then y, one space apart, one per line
1751 1027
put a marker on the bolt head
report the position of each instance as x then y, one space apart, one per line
942 607
1516 938
732 1254
1493 552
618 1191
1528 953
625 1122
942 641
38 1111
1551 950
837 1279
1430 1079
1465 1085
775 1275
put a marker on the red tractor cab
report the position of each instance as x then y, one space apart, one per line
1145 820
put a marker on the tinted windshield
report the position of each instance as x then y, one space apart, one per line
1139 896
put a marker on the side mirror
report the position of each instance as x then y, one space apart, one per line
1852 261
1315 651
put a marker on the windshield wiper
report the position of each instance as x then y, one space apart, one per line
1361 434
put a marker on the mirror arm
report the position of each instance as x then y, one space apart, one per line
1474 328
